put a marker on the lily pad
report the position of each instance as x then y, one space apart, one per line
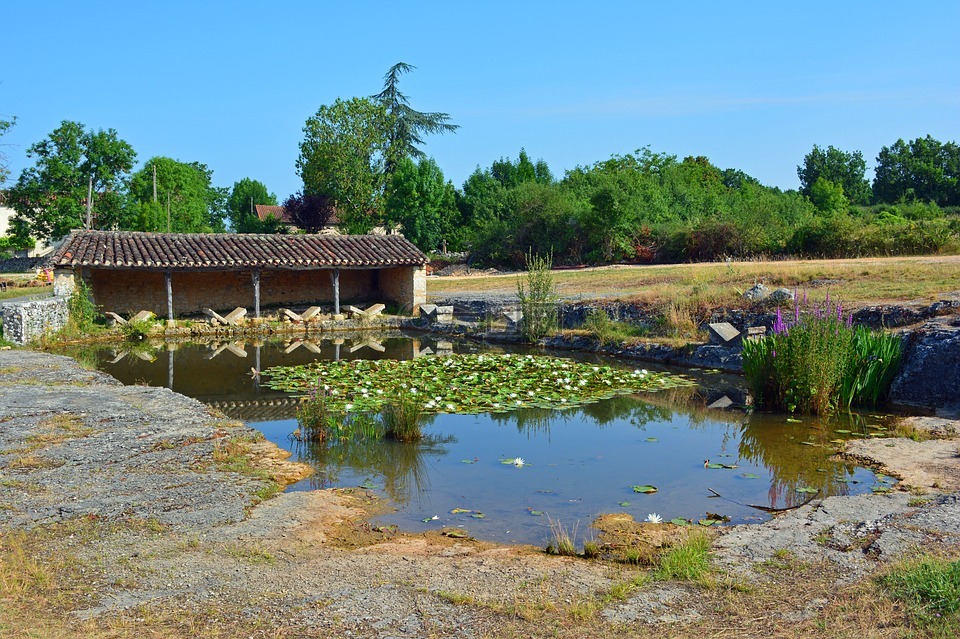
646 489
454 533
457 511
535 513
727 466
880 489
807 489
624 504
652 439
842 431
478 515
750 475
679 521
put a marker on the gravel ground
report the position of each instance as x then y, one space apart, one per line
75 444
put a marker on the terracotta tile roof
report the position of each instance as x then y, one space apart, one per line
263 210
217 251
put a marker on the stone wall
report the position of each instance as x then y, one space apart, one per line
405 285
24 322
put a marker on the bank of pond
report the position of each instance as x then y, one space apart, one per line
582 437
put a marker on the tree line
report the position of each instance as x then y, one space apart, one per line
361 161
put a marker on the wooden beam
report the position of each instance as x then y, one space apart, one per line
168 277
256 292
335 279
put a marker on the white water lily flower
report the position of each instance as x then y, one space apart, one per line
530 393
450 407
518 462
654 518
379 391
347 407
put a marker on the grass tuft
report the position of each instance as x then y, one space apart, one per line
688 560
930 588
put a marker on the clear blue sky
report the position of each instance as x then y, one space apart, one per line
751 85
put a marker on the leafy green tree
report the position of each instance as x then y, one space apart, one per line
844 169
407 125
343 156
195 205
50 197
243 196
5 126
924 169
419 201
828 196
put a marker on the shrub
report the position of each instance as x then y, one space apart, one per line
82 311
819 362
537 298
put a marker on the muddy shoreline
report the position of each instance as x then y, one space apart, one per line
186 518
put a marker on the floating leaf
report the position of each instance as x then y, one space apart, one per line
454 533
646 488
368 484
429 519
881 489
807 489
842 431
793 421
708 522
749 476
680 521
727 466
652 439
478 515
469 461
457 511
535 513
624 504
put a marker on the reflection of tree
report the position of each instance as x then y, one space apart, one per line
768 441
401 465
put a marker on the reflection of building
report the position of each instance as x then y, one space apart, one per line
179 273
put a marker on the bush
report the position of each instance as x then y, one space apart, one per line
82 311
537 299
819 362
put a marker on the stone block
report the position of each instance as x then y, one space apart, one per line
723 334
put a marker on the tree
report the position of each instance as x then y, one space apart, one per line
244 195
309 212
343 156
419 201
50 197
828 196
844 169
5 125
195 205
924 169
408 126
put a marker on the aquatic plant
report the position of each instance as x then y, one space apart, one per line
321 419
538 302
466 383
403 417
818 361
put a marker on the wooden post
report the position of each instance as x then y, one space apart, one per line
168 276
256 292
89 202
335 279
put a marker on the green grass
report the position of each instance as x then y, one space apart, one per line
930 588
403 417
687 561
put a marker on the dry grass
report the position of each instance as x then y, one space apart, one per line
862 281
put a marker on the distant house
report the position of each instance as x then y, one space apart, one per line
177 274
6 214
264 211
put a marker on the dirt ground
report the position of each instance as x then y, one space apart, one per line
134 511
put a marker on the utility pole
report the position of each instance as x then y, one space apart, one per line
168 211
154 182
89 201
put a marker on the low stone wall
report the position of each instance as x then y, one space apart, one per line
23 322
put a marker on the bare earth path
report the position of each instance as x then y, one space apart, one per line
141 510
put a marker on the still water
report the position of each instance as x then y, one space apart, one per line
578 463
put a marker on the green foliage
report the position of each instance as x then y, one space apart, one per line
136 331
819 362
195 205
343 156
243 196
688 560
5 125
923 169
82 311
421 202
841 169
407 125
50 197
403 417
321 419
930 587
828 196
538 302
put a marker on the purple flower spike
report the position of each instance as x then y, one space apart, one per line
840 311
778 325
804 297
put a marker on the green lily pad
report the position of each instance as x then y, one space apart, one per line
750 476
468 461
646 489
652 439
457 511
807 489
454 533
478 515
727 466
881 489
535 513
679 521
624 504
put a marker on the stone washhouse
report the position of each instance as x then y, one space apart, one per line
176 274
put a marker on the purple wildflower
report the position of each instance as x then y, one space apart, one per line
840 311
804 297
778 325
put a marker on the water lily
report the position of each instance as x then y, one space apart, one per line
347 407
518 462
654 518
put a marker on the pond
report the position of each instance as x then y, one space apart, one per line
706 463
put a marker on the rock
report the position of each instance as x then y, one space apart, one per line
723 334
756 292
929 379
781 295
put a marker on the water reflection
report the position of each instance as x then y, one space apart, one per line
582 460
